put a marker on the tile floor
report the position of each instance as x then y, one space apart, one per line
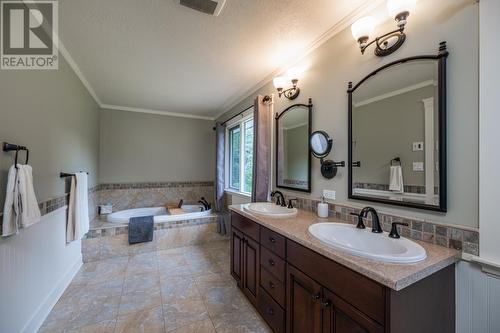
179 290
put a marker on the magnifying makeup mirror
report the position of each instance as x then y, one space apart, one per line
321 145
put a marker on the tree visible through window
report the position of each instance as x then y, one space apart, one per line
240 136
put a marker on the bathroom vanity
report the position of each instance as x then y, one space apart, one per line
300 285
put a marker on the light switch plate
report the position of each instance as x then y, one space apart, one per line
418 146
329 194
418 166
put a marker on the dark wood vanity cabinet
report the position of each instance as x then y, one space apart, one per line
297 290
245 258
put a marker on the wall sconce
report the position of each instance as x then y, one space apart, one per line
362 30
280 83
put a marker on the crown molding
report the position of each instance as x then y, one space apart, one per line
367 7
345 22
157 112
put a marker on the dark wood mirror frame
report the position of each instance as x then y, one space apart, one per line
309 107
441 60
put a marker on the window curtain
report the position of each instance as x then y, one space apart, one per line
220 145
261 150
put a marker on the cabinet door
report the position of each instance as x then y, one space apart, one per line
237 255
303 303
341 317
251 269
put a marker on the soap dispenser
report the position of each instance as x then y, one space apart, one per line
322 208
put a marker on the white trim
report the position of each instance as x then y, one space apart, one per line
234 192
396 92
487 266
157 112
43 310
489 136
345 22
363 10
50 301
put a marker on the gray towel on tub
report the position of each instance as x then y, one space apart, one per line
140 229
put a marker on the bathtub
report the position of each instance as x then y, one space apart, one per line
160 214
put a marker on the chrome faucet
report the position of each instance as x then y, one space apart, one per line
280 198
375 220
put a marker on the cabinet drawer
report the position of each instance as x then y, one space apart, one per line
272 313
360 291
273 286
274 264
273 241
247 226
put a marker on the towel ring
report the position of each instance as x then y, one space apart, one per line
396 161
12 147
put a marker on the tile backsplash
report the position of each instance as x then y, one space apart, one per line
465 239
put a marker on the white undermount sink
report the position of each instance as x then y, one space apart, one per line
366 244
270 209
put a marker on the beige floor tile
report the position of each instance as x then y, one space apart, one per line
170 261
139 300
100 309
182 271
178 288
204 326
141 282
183 312
144 321
239 322
107 326
224 299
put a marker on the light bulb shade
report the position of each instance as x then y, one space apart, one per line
293 73
363 28
395 7
279 82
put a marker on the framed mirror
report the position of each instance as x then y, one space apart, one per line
293 154
397 134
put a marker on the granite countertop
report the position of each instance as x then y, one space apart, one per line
394 276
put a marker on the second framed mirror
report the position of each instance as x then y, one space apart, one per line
293 161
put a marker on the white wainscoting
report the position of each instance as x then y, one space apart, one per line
36 266
478 300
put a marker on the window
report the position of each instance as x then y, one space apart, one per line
239 136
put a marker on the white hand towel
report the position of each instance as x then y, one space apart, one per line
78 211
30 213
396 179
21 207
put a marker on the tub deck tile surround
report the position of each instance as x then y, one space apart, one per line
394 276
108 240
162 291
456 237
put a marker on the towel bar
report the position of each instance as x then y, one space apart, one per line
67 174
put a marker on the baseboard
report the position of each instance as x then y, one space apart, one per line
44 309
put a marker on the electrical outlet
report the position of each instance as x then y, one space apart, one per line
418 166
329 194
418 146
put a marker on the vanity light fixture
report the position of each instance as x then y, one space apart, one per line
280 83
362 30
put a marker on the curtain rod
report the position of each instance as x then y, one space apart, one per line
236 115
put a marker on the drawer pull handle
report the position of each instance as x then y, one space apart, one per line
271 262
315 297
270 311
326 303
272 240
271 285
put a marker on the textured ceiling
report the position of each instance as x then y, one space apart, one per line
158 55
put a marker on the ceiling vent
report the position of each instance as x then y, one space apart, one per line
211 7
